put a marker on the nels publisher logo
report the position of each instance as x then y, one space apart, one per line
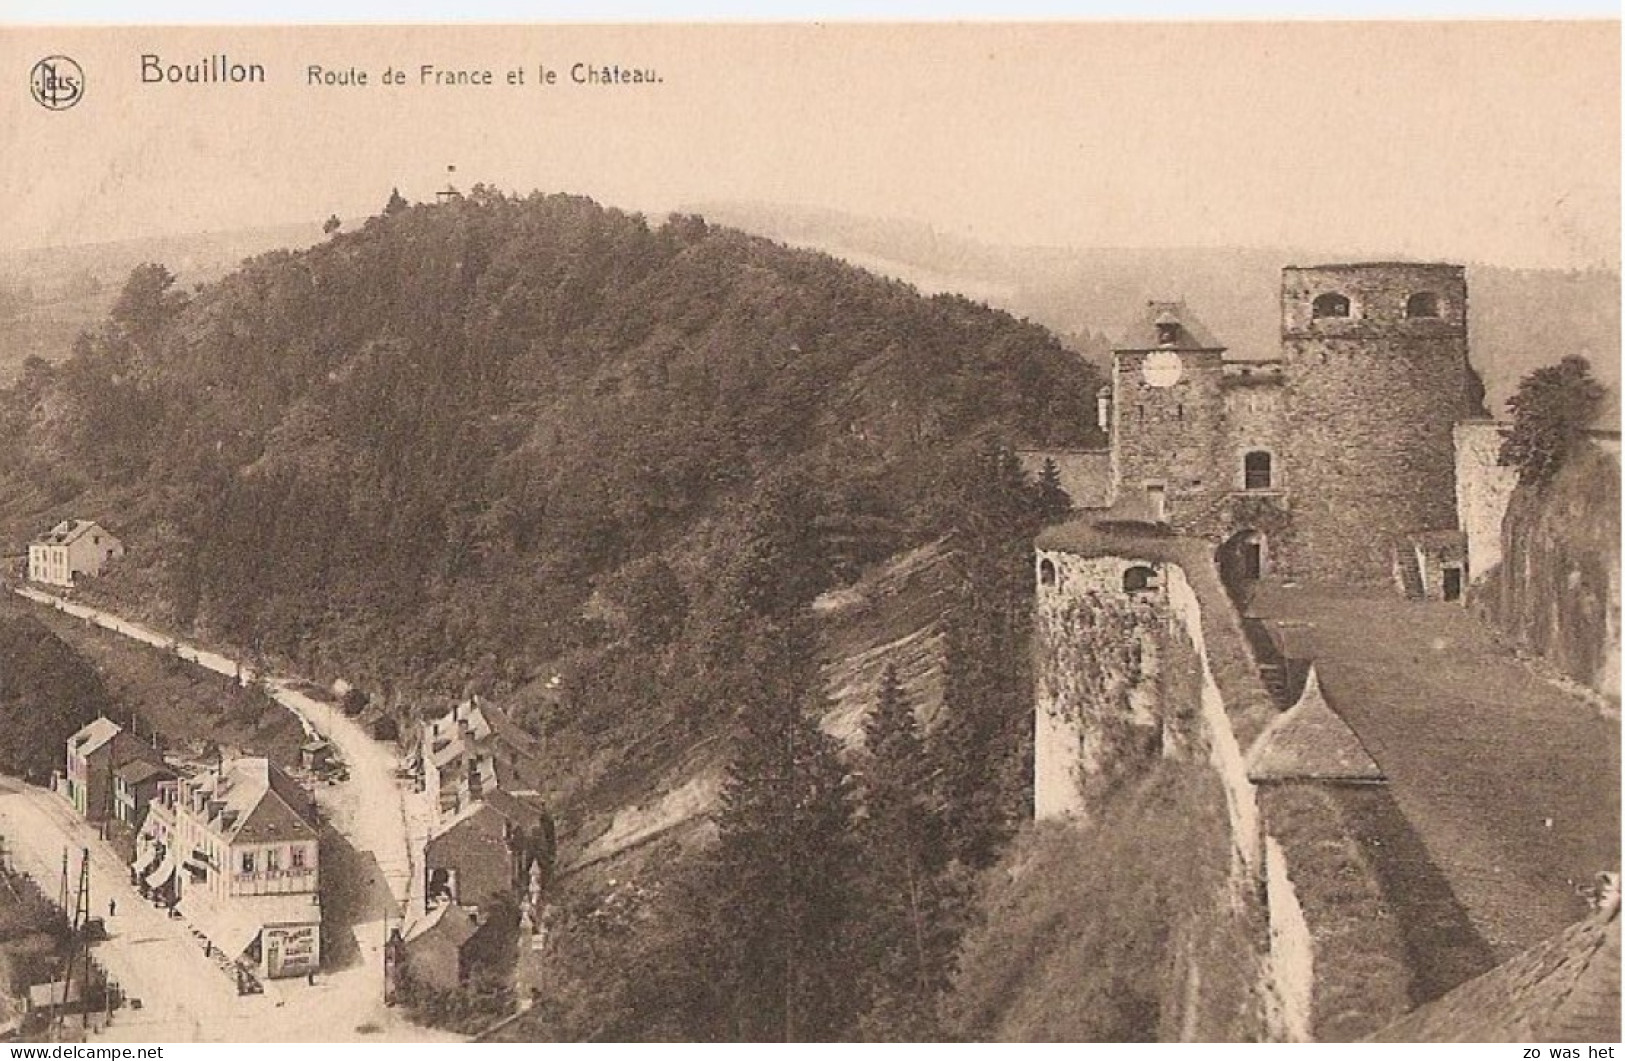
56 82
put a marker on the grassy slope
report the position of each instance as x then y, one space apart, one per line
188 706
1122 931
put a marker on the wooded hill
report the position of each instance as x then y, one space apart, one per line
475 444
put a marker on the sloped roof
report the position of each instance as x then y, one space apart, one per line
1309 742
522 808
1564 990
235 924
95 734
449 921
138 770
481 731
128 748
1192 334
467 814
260 799
67 532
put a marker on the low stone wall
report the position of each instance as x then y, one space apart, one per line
1086 474
1291 961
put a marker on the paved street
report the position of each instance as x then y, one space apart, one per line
185 996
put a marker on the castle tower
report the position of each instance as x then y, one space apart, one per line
1376 375
1167 416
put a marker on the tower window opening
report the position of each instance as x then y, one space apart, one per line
1139 579
1179 412
1046 572
1256 470
1167 333
1139 412
1331 304
1422 304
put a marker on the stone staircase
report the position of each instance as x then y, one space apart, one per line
1406 573
1274 670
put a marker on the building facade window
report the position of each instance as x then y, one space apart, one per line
1422 304
273 860
1331 304
296 858
248 862
1257 470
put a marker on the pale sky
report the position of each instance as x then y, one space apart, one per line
1494 142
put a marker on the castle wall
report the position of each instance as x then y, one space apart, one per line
1483 489
1206 713
1291 966
1086 474
1225 751
1370 403
1253 414
1098 706
1557 590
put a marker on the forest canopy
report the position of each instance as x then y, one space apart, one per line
419 449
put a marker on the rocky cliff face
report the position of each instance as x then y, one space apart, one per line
1557 589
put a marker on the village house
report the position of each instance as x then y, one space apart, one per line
474 750
135 786
71 548
497 847
95 754
235 849
438 951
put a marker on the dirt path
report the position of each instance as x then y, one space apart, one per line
1511 783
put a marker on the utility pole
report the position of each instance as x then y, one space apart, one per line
78 937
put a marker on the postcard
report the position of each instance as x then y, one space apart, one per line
1092 531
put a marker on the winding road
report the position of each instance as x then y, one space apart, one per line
185 997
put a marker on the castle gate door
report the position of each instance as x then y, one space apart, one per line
1241 558
1452 583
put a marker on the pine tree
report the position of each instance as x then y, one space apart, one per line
964 747
396 203
781 896
910 926
1053 500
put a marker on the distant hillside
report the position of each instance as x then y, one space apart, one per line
1520 318
49 295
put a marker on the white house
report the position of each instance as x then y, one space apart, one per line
236 847
72 547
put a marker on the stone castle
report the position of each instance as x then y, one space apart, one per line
1331 459
1356 455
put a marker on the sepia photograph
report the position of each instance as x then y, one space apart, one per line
877 532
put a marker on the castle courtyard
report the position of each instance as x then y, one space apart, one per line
1509 778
